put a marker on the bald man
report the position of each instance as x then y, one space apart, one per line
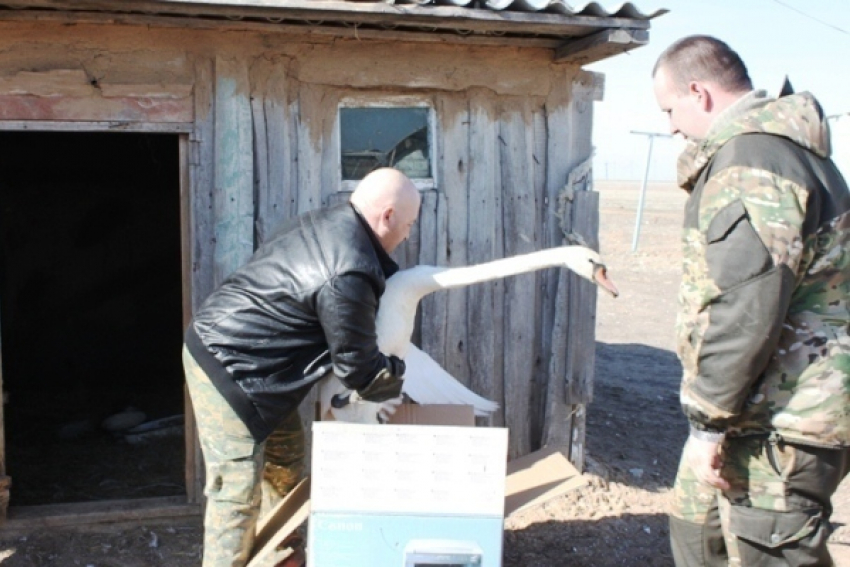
304 305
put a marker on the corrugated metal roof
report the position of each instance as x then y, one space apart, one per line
581 33
594 9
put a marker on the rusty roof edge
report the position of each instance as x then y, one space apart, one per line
498 9
575 39
372 12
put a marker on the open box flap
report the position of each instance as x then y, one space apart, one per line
432 414
436 414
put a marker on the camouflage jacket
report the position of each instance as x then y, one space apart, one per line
764 306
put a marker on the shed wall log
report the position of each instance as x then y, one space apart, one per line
434 307
519 211
481 237
233 193
581 337
453 115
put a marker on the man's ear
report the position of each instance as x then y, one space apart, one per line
700 94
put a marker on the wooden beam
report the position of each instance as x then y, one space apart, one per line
233 167
25 519
601 45
96 126
5 482
520 222
453 173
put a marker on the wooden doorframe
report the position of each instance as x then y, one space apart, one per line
27 518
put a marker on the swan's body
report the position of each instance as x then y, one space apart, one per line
425 381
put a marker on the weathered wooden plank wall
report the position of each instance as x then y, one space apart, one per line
509 127
521 211
500 174
201 189
453 168
581 344
275 117
482 243
233 166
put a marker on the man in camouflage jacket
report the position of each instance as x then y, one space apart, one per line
764 315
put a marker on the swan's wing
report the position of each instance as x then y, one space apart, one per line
358 412
328 387
426 382
397 311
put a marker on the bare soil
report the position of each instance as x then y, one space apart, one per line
635 431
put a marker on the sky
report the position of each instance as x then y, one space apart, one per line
807 40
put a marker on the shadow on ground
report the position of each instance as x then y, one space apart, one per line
635 427
622 541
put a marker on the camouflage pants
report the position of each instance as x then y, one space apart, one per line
776 512
242 476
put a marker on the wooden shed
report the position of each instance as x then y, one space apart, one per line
148 146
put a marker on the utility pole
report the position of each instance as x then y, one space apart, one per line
651 136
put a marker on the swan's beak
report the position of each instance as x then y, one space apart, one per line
600 277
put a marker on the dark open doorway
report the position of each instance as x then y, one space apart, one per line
90 314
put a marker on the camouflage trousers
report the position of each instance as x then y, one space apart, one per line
244 479
776 512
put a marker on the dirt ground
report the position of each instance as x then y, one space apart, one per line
635 431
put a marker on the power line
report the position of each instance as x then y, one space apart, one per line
845 32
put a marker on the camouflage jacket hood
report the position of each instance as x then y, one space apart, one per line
763 330
797 117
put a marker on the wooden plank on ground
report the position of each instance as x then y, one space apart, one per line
33 518
279 523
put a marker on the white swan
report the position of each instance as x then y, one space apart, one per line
425 381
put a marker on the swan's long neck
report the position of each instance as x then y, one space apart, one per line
404 290
504 267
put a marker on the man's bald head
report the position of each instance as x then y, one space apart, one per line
389 201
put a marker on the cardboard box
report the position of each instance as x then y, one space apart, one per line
408 492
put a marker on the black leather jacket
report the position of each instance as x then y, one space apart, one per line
305 303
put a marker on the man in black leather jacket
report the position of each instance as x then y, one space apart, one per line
304 305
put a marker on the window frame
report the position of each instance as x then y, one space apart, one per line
383 101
